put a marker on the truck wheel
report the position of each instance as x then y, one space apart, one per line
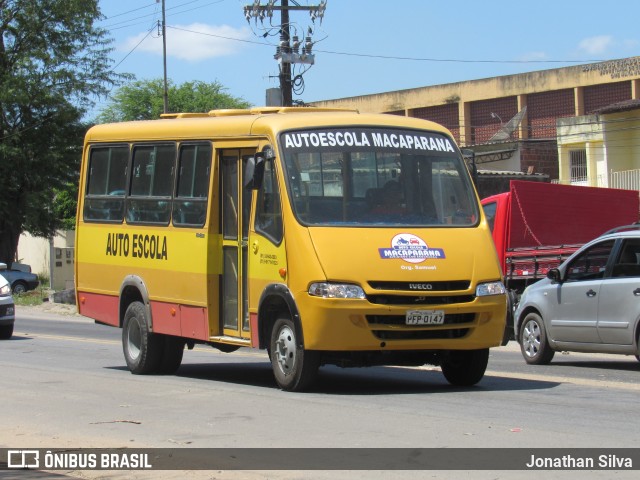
533 341
293 367
464 368
143 350
172 353
6 331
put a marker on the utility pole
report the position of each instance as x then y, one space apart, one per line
165 95
286 85
288 50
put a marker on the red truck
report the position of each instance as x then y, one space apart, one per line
536 226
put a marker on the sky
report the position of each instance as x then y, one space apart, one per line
367 46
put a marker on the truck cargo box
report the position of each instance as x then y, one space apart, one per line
545 214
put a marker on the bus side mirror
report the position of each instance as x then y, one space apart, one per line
470 159
254 170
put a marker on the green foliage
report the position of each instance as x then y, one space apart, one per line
54 64
65 204
143 100
29 299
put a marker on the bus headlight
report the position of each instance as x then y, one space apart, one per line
335 290
490 288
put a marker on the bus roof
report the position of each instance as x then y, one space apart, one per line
235 123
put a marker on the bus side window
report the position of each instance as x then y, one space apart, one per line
194 170
106 182
268 209
151 184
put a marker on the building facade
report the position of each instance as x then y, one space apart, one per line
512 121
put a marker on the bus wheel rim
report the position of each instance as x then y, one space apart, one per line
285 350
134 340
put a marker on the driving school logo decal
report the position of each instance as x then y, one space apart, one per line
410 248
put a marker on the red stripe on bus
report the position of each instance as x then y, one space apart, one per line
102 308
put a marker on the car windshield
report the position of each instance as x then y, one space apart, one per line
366 176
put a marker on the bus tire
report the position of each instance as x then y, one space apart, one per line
294 368
171 354
464 368
6 331
143 350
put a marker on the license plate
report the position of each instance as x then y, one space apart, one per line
425 317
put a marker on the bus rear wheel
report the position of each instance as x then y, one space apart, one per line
294 367
143 350
172 352
464 368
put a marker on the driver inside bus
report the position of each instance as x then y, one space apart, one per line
391 199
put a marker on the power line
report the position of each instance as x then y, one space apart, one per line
137 20
132 50
453 60
218 36
391 57
131 11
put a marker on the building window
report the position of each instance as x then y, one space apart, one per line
578 165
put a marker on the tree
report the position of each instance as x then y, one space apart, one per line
143 100
54 63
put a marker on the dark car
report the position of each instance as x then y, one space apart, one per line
20 280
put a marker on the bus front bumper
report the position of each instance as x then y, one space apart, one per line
357 325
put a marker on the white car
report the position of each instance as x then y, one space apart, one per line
7 308
591 303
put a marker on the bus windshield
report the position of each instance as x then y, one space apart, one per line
364 176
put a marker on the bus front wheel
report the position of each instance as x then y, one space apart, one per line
464 368
294 367
143 350
6 331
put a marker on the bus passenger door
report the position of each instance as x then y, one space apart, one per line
235 207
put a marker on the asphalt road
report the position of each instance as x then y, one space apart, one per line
64 384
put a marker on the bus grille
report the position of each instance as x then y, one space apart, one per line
419 300
447 286
400 320
419 332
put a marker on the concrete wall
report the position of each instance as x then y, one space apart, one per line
622 137
36 251
583 132
611 140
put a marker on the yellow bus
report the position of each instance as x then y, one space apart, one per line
326 237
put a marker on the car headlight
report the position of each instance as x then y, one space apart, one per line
335 290
5 290
490 288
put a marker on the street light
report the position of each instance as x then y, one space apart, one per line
495 115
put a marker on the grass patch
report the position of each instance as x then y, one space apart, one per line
30 299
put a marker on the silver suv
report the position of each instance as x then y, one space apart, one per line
7 308
591 303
